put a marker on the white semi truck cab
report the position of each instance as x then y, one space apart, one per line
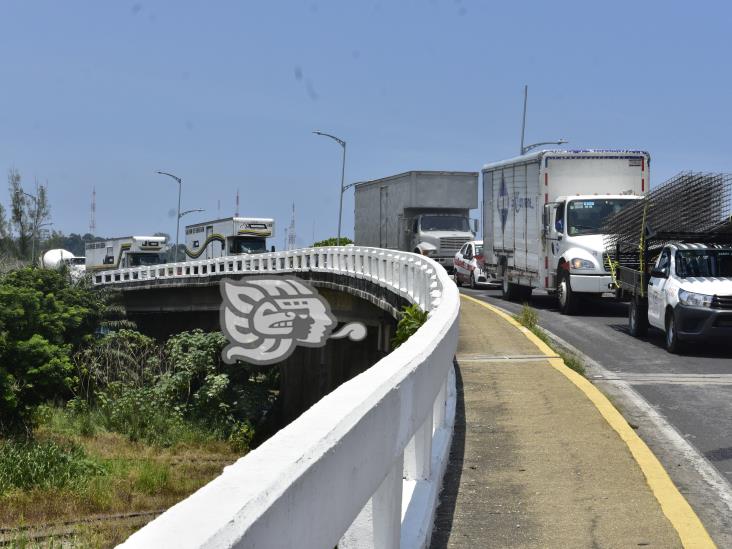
574 242
439 234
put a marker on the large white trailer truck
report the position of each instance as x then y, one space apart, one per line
127 251
542 217
228 236
427 212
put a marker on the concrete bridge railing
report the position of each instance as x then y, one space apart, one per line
363 466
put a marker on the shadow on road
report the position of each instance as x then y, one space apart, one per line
451 482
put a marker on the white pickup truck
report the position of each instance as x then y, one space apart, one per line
688 294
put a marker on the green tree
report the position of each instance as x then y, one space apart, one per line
332 242
27 214
43 319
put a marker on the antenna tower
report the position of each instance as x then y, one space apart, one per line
93 216
291 245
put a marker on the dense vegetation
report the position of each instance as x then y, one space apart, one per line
96 417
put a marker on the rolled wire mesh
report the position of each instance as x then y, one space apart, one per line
691 206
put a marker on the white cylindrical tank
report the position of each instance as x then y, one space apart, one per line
53 259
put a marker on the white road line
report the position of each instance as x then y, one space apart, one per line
665 378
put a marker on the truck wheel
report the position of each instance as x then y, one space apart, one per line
566 297
473 285
525 293
509 291
638 317
673 345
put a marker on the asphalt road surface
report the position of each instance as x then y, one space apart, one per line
692 392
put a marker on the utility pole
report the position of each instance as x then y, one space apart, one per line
523 122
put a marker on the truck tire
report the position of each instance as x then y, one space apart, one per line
525 293
565 296
638 317
509 291
673 345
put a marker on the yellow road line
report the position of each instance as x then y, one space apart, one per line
674 505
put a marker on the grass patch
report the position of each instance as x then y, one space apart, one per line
69 474
26 465
529 318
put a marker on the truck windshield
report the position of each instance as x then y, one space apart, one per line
710 262
247 245
135 260
588 216
444 223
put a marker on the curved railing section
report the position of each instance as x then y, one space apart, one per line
363 466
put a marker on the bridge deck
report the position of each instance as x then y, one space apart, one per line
533 463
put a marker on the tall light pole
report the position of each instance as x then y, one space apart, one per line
527 148
343 175
181 214
177 225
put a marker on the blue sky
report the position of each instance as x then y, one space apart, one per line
226 94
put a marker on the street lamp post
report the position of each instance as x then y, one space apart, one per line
181 214
527 148
177 225
342 143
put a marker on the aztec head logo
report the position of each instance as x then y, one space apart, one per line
504 203
265 319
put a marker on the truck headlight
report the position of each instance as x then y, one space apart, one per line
581 264
695 300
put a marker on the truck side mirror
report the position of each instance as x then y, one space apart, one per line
659 273
474 225
272 249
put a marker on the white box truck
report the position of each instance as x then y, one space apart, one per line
542 214
126 251
426 212
228 236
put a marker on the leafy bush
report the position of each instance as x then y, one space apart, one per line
412 318
26 465
43 318
332 242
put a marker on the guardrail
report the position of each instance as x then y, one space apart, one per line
360 468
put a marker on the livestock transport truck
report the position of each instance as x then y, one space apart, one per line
127 251
543 214
426 212
228 236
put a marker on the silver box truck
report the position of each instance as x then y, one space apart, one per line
543 214
426 212
124 252
228 236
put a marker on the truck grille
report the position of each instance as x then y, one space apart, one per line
449 245
722 302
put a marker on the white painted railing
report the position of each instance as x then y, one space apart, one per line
363 466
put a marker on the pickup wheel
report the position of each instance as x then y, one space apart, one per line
566 297
456 274
509 291
638 317
473 285
673 345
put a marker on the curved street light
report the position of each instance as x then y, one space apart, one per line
527 148
177 226
181 214
342 143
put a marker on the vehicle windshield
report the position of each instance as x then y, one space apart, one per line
588 216
136 260
709 262
247 245
444 223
